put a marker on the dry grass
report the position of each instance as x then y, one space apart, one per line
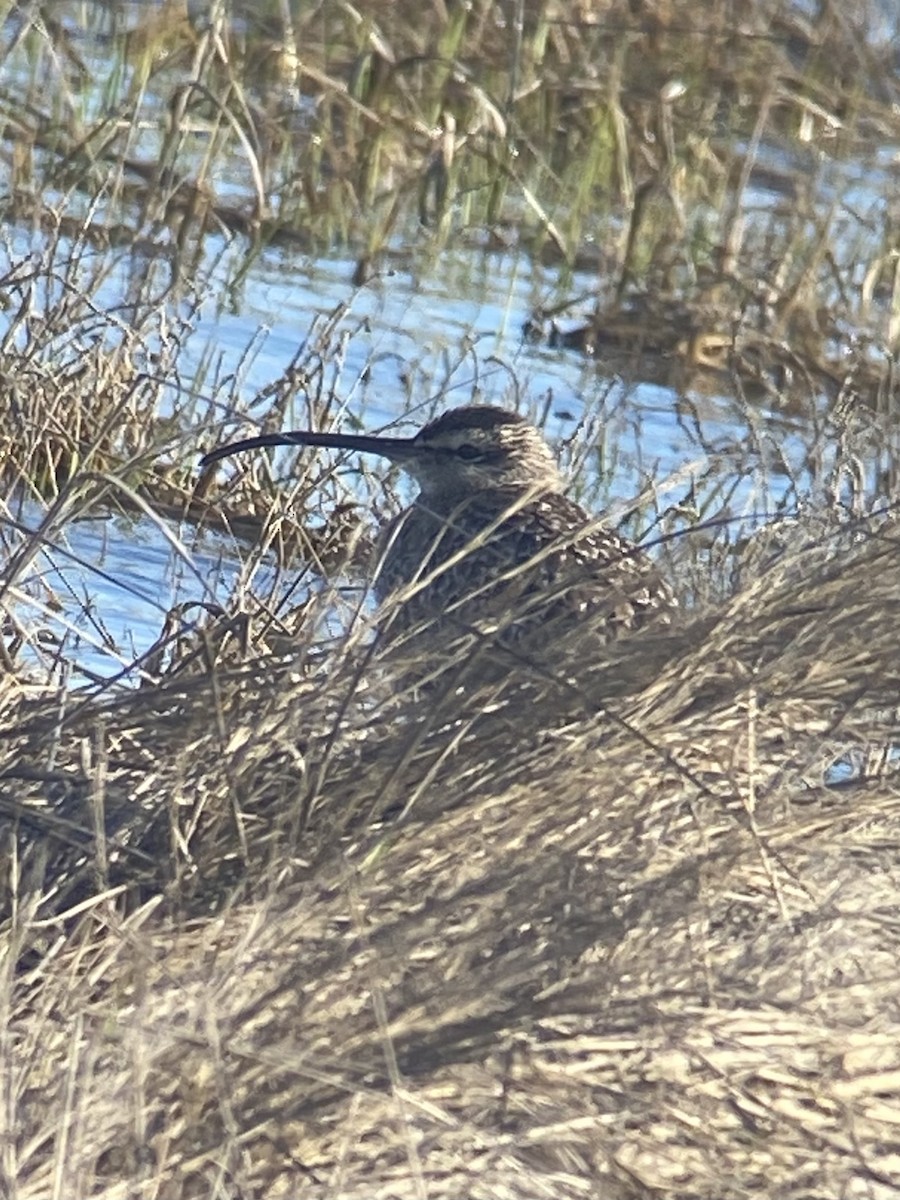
560 128
279 922
635 935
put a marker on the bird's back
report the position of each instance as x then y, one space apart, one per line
509 567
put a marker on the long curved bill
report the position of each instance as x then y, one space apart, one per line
396 449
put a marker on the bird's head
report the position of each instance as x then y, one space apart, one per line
466 450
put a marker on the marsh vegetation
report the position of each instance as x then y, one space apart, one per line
274 920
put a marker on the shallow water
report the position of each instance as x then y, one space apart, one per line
459 332
447 334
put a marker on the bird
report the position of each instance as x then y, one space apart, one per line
492 547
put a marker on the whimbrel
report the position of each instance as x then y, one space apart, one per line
491 545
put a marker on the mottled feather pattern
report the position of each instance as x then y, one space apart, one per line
546 561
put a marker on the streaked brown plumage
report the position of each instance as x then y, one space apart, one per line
491 544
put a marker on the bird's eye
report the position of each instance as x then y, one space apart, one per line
468 452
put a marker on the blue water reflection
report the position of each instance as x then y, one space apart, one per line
450 337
